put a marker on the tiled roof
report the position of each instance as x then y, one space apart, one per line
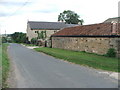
48 25
101 29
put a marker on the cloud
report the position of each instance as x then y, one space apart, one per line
11 7
12 3
14 12
3 14
119 8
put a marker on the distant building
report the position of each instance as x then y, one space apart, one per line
110 20
33 27
95 38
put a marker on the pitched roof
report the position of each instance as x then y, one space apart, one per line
101 29
48 25
116 19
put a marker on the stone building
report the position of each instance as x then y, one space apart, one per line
33 27
95 38
115 19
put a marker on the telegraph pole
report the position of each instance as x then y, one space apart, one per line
5 33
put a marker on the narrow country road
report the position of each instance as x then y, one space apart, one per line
36 70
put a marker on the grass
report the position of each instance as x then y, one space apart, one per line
0 65
5 65
83 58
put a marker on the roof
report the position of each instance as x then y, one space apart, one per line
101 29
115 19
48 25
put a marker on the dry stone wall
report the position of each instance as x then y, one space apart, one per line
99 45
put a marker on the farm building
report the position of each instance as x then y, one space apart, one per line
49 28
95 38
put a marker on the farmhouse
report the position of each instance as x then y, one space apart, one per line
49 28
95 38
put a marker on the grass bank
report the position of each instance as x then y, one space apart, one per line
83 58
0 66
5 65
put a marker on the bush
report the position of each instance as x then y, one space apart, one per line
111 52
19 37
34 41
4 39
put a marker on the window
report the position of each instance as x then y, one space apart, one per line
36 31
55 31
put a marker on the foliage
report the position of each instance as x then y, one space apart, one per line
27 41
0 66
5 65
41 35
19 37
70 17
34 41
4 39
91 60
111 52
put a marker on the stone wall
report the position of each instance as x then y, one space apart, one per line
31 33
97 45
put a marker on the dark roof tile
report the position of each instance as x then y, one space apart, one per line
48 25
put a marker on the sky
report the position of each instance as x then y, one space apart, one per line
14 14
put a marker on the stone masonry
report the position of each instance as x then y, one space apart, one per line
99 45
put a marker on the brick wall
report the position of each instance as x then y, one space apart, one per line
89 44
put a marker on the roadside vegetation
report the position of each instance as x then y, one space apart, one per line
83 58
5 65
19 37
0 66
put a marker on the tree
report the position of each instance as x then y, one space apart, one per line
19 37
70 17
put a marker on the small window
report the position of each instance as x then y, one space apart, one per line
55 31
36 31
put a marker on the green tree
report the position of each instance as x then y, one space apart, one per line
19 37
70 17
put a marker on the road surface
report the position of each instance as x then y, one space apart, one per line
33 69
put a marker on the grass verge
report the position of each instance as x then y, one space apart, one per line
0 66
5 65
83 58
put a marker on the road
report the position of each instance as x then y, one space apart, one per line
33 69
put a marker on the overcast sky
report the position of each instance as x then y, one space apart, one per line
14 14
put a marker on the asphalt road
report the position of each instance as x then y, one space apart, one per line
36 70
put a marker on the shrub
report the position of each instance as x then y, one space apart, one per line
34 41
111 52
4 39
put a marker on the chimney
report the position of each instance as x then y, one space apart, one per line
114 27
